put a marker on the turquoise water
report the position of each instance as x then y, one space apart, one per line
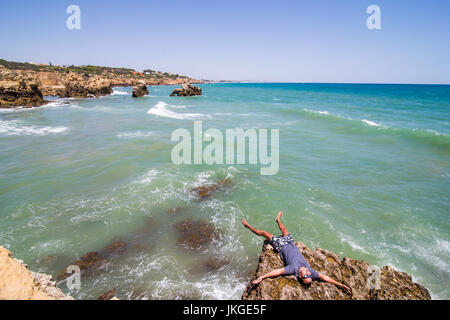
364 172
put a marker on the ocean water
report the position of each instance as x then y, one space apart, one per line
364 172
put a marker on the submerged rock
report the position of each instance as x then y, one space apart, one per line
94 261
89 262
109 295
205 191
140 90
357 274
215 263
116 247
195 235
187 90
19 283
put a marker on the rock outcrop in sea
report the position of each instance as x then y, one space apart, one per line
19 283
140 90
187 90
357 274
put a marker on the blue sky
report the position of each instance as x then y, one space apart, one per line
291 41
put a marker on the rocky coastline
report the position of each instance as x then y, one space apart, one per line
26 85
19 283
193 236
366 282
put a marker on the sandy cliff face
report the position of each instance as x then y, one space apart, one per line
19 283
18 89
357 274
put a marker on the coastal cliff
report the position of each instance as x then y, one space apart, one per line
357 274
17 89
25 84
19 283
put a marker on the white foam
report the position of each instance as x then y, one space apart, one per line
434 132
161 109
120 93
317 111
349 240
12 128
148 177
371 123
135 134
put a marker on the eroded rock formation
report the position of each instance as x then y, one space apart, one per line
357 274
187 90
83 86
140 90
19 283
18 89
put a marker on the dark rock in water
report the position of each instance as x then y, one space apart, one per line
195 235
205 191
357 274
187 90
93 261
116 247
140 90
109 295
216 263
88 262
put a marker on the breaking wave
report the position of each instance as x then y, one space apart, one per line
12 128
161 109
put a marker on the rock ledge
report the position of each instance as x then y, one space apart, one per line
357 274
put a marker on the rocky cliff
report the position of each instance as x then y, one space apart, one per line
19 283
18 89
362 278
25 84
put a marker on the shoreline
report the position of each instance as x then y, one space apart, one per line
23 84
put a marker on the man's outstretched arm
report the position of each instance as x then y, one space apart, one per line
273 273
328 279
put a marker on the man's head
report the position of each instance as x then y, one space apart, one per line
305 276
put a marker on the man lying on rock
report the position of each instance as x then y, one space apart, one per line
294 261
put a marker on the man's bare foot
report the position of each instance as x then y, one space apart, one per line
244 222
280 214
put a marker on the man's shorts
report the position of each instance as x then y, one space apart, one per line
278 242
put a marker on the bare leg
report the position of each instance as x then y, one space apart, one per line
283 229
263 233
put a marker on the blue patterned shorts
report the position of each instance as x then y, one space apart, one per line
278 242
